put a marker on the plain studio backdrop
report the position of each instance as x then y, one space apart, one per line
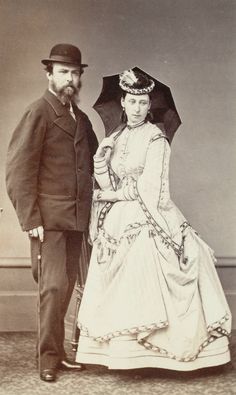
187 44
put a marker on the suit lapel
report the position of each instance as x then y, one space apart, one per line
63 118
67 124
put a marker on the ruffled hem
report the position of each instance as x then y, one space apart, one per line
215 331
127 353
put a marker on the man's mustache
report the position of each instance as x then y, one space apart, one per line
70 86
73 90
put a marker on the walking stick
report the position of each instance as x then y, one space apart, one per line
39 261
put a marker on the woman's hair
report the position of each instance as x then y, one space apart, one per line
124 93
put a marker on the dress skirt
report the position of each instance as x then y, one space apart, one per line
145 306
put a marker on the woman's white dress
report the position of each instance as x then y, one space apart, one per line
152 296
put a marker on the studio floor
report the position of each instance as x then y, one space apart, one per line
18 375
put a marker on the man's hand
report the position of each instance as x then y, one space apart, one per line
37 232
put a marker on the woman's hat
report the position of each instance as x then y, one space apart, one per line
65 53
135 82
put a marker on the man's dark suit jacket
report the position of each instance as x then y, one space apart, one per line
49 167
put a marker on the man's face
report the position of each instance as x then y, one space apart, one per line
64 80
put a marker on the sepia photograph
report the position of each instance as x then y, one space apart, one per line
118 197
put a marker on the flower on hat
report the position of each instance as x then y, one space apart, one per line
131 83
128 77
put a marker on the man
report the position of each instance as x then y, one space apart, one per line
49 181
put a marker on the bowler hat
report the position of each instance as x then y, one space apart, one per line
65 53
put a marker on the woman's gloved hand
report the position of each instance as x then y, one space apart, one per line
106 145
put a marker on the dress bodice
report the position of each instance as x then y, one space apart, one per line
128 157
134 154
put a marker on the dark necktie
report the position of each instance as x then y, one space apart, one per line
70 109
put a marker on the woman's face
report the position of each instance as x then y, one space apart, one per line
136 107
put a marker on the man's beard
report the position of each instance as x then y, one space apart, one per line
66 94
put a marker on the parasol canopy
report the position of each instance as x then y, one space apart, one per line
163 108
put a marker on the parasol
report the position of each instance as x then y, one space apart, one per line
163 109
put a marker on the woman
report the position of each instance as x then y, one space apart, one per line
152 296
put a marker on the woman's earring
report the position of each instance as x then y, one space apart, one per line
123 116
149 116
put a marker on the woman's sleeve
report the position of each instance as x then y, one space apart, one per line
101 173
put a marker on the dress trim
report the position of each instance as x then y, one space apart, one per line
131 331
108 245
215 325
158 230
166 239
106 208
219 332
131 232
113 178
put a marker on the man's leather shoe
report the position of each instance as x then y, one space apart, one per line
66 364
48 374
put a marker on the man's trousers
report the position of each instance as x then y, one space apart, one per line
60 252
